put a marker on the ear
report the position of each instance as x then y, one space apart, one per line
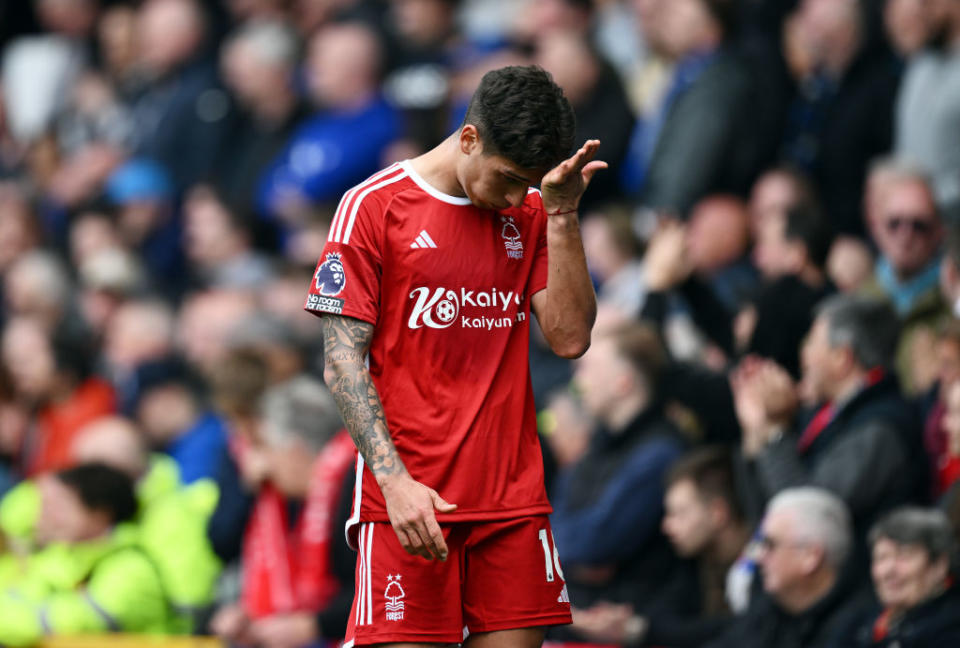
470 140
812 558
796 254
719 512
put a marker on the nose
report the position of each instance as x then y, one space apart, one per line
516 196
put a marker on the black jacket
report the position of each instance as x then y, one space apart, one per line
934 624
767 625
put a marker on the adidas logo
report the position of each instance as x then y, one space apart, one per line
422 241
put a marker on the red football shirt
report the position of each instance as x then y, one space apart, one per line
447 287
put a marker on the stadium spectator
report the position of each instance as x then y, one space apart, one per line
704 523
345 141
927 105
914 551
790 252
258 63
807 598
842 113
175 421
205 322
218 241
861 443
694 143
298 576
102 581
608 505
179 105
141 192
139 333
52 377
908 26
598 98
613 258
908 231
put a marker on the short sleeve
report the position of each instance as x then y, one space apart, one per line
348 274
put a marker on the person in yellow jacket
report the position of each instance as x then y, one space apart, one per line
171 520
88 575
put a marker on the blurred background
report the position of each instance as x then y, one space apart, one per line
170 460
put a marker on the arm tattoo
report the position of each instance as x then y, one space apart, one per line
345 344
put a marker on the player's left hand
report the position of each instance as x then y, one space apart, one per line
563 186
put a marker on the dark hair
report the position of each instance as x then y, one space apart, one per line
725 13
103 489
867 325
711 471
806 224
911 525
522 115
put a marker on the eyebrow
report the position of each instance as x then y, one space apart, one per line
513 176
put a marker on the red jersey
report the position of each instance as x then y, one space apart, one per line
447 287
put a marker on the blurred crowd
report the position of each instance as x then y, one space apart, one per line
760 448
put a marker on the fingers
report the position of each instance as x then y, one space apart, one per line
591 169
441 504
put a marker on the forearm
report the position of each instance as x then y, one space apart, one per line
345 371
570 305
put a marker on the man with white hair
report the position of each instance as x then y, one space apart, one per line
258 63
807 601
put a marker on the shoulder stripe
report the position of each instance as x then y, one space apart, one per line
356 204
343 206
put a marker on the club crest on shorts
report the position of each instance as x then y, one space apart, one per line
394 595
331 276
511 238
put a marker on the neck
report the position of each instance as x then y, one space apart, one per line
438 167
849 386
805 597
618 417
277 107
812 276
728 544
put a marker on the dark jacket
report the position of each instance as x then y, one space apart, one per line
767 625
607 512
869 454
934 624
704 140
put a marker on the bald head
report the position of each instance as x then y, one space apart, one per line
343 64
114 441
170 33
719 232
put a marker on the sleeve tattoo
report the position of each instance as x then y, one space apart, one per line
345 344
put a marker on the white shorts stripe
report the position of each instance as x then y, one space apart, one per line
337 223
369 588
357 496
361 608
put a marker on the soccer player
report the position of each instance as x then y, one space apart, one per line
431 269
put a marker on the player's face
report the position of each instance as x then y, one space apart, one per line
492 181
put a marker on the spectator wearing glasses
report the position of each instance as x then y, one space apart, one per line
906 227
807 600
913 550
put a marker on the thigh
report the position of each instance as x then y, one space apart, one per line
513 577
518 638
402 600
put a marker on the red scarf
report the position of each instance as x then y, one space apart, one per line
286 571
825 415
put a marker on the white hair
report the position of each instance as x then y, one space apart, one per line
819 517
273 42
300 408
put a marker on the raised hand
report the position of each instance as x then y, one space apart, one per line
563 186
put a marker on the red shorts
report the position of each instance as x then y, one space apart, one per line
498 575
